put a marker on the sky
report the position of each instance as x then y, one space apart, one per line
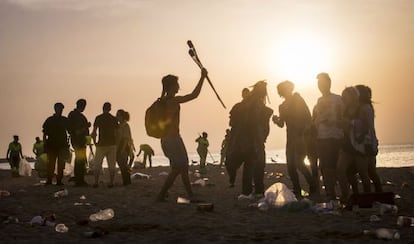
118 51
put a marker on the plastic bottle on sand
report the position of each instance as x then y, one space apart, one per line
61 228
384 233
102 215
405 221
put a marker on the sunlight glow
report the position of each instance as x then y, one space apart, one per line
299 58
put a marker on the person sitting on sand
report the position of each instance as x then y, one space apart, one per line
148 153
172 144
14 155
202 150
296 115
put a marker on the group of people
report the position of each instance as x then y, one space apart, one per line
339 134
110 134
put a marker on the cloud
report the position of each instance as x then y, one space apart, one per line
111 6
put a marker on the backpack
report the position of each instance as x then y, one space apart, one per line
155 117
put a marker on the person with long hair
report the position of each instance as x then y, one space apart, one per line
171 142
123 140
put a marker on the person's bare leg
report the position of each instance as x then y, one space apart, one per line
167 184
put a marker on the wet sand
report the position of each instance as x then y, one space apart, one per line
139 219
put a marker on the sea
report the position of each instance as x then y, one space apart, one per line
391 156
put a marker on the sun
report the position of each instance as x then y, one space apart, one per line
299 58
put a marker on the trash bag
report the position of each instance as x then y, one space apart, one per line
279 195
41 165
25 169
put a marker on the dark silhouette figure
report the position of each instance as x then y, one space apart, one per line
14 155
56 143
202 150
249 121
124 140
223 150
327 118
79 130
234 165
296 115
148 153
106 125
370 141
172 143
38 147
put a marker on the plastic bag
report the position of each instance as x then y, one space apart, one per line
68 170
278 195
25 169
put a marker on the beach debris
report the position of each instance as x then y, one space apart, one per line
205 207
4 193
163 173
37 220
62 193
11 220
61 228
25 169
196 174
330 207
82 197
82 204
182 200
405 221
389 183
374 218
95 233
199 182
404 185
44 221
102 215
68 170
140 176
396 196
278 195
384 208
222 173
384 233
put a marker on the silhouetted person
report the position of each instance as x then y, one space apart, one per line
78 130
38 147
172 144
202 150
14 155
124 140
250 127
296 115
234 165
327 121
370 140
223 150
105 126
56 143
148 153
312 154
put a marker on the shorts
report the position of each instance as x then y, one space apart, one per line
174 149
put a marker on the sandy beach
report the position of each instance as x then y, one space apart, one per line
139 219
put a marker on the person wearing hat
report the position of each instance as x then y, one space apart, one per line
14 154
295 114
56 143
